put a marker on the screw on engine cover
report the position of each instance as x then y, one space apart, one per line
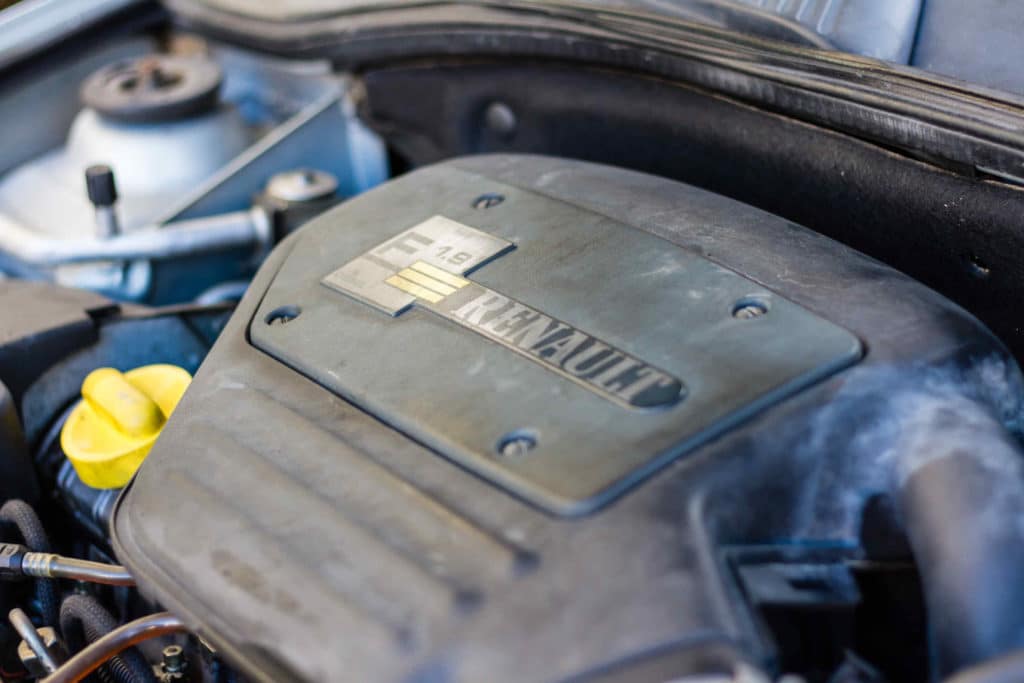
282 315
977 268
173 663
487 201
516 444
748 309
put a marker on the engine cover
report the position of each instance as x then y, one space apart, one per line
603 350
501 419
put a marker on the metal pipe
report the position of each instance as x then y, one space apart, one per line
27 630
95 655
222 293
237 229
50 566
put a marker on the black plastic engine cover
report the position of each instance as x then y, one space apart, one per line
535 324
374 477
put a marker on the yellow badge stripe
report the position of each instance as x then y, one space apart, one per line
414 289
438 274
428 282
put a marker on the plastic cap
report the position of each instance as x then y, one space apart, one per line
100 186
109 433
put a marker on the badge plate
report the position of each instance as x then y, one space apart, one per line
423 266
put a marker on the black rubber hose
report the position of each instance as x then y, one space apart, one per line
21 515
83 620
960 490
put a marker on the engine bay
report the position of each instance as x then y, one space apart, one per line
402 360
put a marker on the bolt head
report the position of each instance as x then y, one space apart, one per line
302 185
173 659
748 309
501 119
517 444
487 201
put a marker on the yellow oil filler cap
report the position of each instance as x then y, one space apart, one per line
110 431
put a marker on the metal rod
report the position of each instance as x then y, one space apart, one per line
183 238
50 566
118 640
27 630
106 222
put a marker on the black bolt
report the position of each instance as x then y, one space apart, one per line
100 186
